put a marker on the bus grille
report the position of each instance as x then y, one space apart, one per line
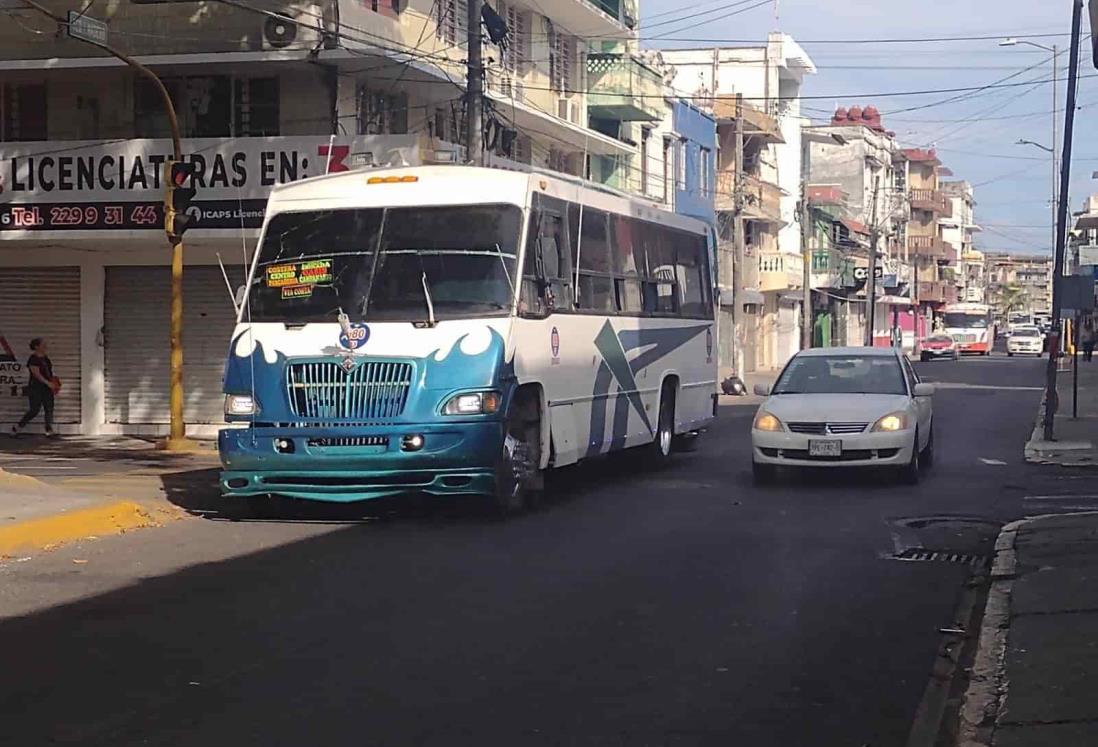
372 391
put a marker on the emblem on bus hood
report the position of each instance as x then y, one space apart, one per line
352 336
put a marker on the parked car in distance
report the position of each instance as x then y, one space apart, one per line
844 407
938 346
1026 340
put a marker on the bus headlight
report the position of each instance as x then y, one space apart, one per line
240 404
473 403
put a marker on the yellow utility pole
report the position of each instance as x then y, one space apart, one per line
177 435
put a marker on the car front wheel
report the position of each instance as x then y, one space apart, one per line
911 472
763 474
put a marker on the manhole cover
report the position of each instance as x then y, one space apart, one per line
922 555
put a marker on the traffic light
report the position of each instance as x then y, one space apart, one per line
178 194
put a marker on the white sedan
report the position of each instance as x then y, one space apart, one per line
1026 341
845 407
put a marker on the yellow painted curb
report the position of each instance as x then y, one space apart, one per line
49 531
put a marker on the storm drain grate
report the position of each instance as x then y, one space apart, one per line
921 555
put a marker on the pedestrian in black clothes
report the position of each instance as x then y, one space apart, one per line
42 386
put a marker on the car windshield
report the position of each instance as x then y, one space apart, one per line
1027 332
940 339
841 374
387 264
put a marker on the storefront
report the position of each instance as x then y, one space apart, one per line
84 263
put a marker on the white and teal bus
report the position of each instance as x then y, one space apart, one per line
454 330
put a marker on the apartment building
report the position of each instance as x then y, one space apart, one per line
754 93
265 93
959 228
1018 282
856 159
934 259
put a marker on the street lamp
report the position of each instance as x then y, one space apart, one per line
1013 42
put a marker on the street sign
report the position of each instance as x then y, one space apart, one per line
86 28
862 273
1078 292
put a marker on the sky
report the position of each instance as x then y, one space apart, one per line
975 133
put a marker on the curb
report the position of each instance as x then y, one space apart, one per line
47 532
988 683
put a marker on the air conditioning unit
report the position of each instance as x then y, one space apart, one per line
569 110
300 30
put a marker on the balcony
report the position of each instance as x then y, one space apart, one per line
756 122
931 200
779 271
929 247
623 88
762 201
937 291
832 269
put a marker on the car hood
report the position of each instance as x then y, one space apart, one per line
834 408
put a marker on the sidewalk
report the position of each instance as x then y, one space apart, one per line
1035 678
1076 439
58 491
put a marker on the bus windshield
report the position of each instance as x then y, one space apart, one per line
387 264
965 320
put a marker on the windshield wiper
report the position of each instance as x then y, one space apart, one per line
430 304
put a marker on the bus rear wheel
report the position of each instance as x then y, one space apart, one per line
664 440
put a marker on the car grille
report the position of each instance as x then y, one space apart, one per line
372 391
823 429
348 442
853 455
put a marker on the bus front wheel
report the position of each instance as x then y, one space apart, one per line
518 471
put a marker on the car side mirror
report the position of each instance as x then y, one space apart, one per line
924 390
762 390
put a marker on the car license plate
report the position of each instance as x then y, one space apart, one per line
818 448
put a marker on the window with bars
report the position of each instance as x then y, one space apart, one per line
562 61
24 108
256 107
453 21
382 113
514 58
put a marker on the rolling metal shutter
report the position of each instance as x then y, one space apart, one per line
136 345
41 302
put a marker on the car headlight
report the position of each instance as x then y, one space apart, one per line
896 421
240 404
473 403
764 421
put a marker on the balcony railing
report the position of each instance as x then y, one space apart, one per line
929 247
780 271
761 200
937 291
932 200
623 88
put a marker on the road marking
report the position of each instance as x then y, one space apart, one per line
1066 497
993 462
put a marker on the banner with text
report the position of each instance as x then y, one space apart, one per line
118 185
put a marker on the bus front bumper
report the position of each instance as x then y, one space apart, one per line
352 464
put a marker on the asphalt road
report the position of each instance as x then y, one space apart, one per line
682 607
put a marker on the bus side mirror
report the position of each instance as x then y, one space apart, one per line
241 292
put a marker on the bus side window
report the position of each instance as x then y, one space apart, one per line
547 284
532 301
